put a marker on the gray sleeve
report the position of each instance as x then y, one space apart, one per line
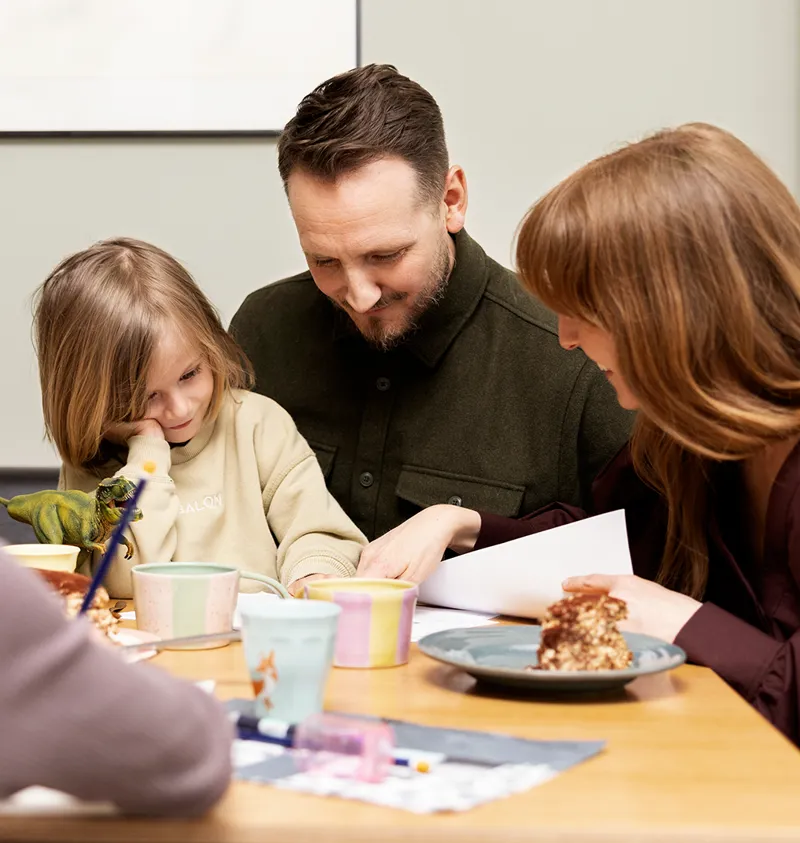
75 717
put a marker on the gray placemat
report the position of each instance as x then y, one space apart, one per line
474 747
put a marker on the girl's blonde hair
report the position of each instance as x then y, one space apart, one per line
98 319
685 247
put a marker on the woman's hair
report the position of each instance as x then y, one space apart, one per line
685 247
99 316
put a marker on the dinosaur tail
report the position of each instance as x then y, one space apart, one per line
4 501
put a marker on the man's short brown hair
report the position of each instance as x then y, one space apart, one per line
360 116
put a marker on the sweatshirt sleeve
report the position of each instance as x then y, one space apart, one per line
314 534
154 537
75 717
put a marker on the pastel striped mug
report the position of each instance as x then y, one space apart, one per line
376 618
174 599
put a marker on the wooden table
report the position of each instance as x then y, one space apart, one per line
686 760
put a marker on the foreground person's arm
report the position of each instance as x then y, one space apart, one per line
75 717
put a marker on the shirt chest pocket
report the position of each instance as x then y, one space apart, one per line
426 486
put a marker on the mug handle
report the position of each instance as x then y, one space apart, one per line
274 585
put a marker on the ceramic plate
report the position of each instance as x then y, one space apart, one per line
125 636
500 654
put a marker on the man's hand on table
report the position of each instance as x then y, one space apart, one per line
413 550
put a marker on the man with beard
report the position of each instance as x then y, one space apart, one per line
418 368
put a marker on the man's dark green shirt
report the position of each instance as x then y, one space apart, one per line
479 407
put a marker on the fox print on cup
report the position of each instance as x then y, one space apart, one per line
265 680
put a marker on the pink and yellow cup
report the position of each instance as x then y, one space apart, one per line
375 623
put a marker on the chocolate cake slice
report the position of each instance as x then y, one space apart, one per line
580 633
72 588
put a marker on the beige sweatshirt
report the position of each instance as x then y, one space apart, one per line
247 491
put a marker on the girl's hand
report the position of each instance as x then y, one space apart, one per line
121 433
297 588
413 550
652 609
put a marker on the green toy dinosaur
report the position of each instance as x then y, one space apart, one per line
76 518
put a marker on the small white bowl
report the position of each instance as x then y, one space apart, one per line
52 557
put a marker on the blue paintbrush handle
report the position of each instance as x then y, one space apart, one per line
111 547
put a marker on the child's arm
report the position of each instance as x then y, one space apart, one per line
154 537
314 534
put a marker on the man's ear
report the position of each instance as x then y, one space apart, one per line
455 199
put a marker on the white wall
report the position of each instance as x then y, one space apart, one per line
530 89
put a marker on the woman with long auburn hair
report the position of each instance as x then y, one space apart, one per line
674 264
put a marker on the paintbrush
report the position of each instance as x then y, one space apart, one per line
116 538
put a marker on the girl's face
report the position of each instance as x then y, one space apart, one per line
597 345
180 387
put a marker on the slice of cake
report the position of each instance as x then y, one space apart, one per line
580 633
72 589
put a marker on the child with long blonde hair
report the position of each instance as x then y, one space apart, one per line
135 366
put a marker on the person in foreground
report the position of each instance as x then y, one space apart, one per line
135 366
674 263
75 717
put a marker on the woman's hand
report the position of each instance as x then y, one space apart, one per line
413 550
121 433
652 609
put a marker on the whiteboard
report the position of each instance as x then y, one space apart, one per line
121 66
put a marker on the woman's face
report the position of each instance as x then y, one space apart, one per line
598 345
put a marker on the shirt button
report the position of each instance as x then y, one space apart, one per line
455 501
366 479
383 384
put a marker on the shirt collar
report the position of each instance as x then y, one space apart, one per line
442 323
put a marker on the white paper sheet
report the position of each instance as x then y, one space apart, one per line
428 619
41 801
523 577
